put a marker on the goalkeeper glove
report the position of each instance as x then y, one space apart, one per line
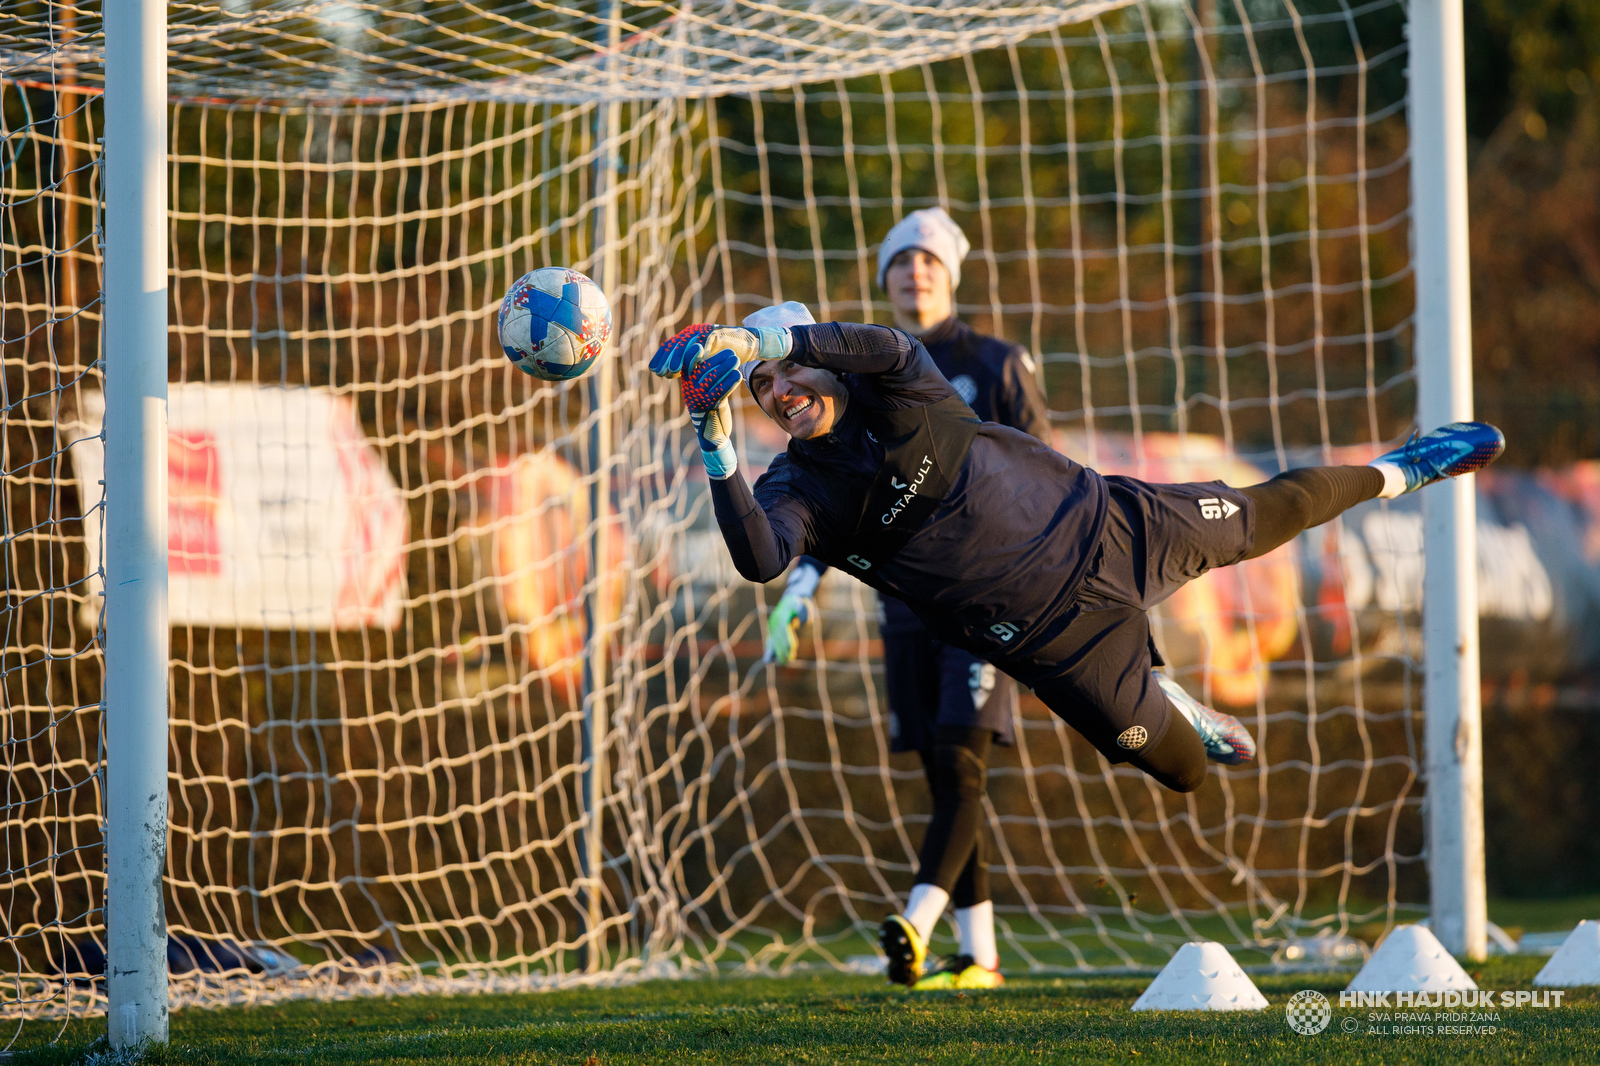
688 346
792 611
705 391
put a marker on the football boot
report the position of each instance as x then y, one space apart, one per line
959 971
1226 740
1458 448
903 945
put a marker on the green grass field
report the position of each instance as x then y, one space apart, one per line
824 1018
1532 915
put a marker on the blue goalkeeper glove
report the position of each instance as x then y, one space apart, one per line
672 357
792 611
705 391
690 345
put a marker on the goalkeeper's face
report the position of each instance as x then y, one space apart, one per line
805 402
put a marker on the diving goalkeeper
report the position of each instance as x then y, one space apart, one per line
999 544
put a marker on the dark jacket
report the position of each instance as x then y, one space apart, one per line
996 565
997 380
995 377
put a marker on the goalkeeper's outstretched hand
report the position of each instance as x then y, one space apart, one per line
673 357
690 345
792 611
705 391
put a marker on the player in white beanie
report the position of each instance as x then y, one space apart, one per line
931 231
945 703
949 705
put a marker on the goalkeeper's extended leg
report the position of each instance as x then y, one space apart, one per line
1159 537
1097 673
1298 500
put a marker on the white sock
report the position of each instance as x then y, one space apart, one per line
923 909
1394 480
976 924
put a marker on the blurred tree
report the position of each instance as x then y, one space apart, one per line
1529 58
1534 123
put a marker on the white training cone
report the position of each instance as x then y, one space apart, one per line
1201 976
1576 962
1411 959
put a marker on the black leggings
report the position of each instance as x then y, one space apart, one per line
952 855
1298 500
1286 506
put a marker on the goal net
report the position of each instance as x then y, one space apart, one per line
464 690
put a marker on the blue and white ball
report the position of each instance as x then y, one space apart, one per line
554 323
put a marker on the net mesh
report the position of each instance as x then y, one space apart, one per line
1196 219
541 52
51 669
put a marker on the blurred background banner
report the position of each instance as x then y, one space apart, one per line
280 515
525 519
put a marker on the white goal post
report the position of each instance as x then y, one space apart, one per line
1451 694
136 631
462 691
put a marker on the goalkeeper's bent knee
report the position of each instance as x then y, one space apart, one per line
1178 760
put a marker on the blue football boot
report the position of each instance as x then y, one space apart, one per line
1225 739
1458 448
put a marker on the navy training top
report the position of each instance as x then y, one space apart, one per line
996 379
995 567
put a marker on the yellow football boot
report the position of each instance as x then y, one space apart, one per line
959 971
905 949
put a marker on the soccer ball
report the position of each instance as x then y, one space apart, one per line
554 323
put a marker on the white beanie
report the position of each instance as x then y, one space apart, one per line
789 313
934 232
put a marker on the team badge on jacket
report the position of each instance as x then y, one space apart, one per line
1132 738
965 387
